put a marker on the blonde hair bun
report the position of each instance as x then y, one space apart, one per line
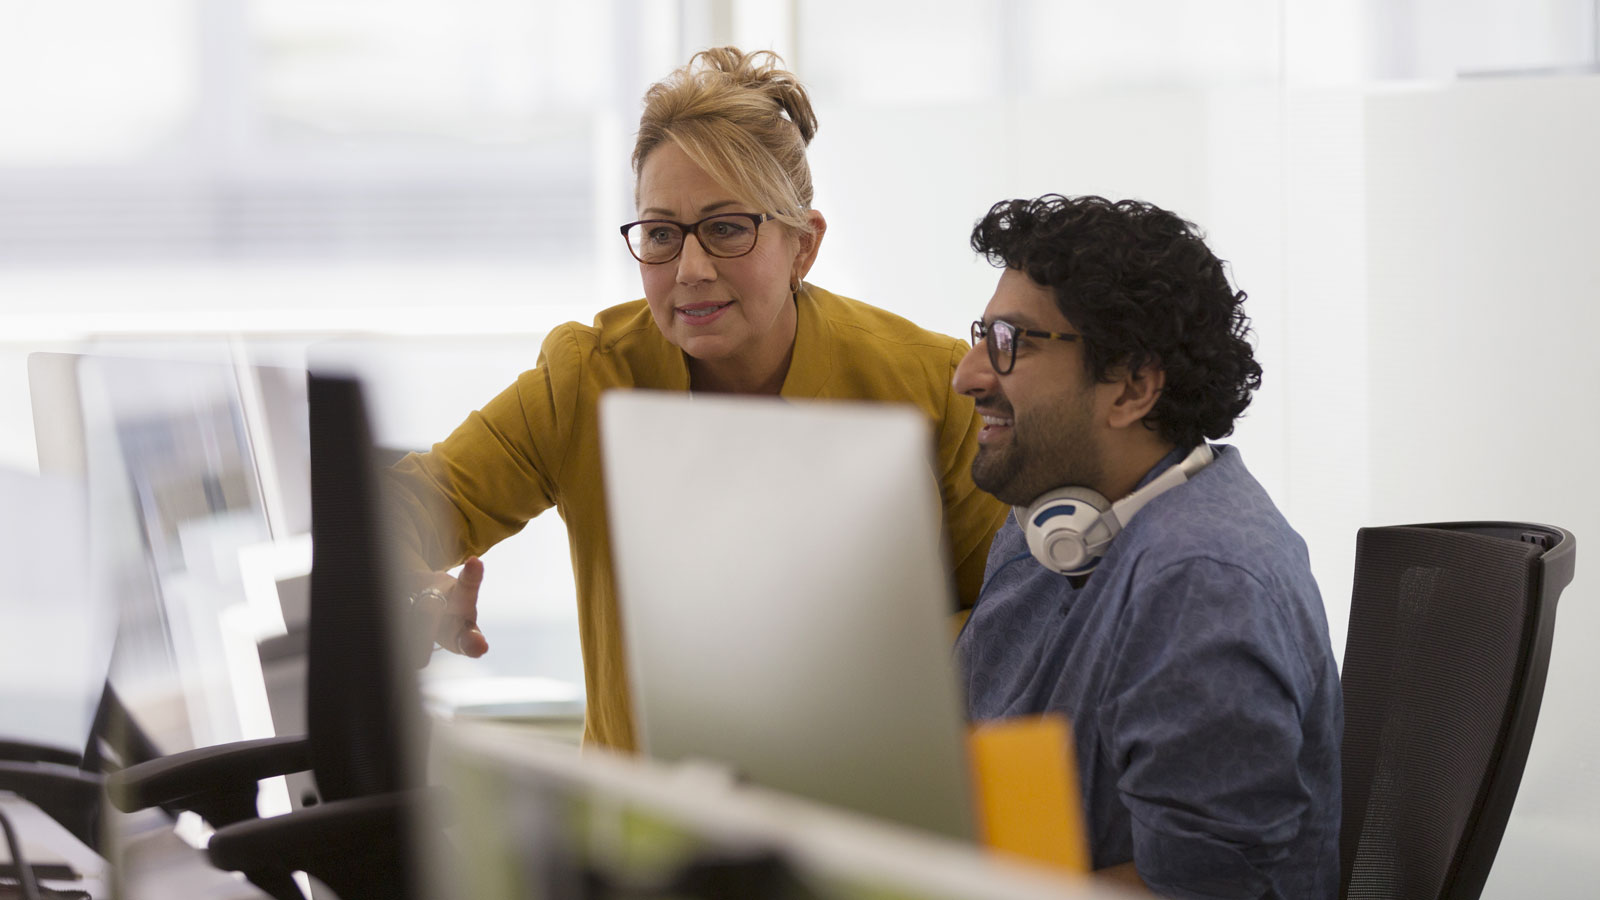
742 118
762 70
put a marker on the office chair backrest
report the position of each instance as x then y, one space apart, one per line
1444 669
362 707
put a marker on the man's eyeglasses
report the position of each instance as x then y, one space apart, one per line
725 235
1001 337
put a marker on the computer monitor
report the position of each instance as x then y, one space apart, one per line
55 646
364 716
364 723
173 473
192 465
784 597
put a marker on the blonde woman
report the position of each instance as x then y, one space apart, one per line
724 238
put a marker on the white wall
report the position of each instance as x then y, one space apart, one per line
1484 384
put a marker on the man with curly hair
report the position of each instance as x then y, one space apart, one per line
1187 645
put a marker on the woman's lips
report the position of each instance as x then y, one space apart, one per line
701 313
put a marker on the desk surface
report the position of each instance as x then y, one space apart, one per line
45 842
154 863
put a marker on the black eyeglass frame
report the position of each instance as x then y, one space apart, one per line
981 331
694 228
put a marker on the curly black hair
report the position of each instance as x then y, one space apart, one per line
1141 286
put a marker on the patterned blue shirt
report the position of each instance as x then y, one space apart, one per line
1195 668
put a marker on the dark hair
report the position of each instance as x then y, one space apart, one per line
1141 286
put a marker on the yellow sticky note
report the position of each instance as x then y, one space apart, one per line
1025 777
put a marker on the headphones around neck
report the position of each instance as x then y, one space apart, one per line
1069 529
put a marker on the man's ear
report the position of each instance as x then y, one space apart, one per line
1135 394
809 245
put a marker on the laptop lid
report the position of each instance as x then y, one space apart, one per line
784 597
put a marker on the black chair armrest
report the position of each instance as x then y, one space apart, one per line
359 847
28 752
70 796
217 782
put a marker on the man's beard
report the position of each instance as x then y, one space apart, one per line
1042 455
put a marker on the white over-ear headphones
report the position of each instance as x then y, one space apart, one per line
1069 529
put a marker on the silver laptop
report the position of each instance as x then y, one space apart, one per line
785 597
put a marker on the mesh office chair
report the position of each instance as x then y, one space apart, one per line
1449 641
363 713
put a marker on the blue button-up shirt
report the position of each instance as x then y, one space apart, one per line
1195 669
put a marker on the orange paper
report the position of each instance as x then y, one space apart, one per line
1025 776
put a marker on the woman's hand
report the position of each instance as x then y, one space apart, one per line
447 610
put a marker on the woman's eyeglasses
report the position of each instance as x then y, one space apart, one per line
1001 339
725 235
